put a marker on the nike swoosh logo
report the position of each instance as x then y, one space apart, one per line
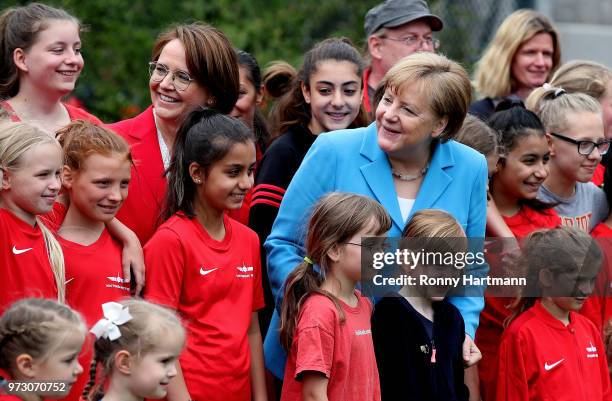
552 365
69 280
20 251
205 272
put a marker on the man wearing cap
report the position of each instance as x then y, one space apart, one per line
395 29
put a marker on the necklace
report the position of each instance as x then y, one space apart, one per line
405 177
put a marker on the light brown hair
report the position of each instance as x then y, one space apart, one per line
583 76
476 134
150 324
335 219
443 81
36 327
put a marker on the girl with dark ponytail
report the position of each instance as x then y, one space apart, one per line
325 321
206 266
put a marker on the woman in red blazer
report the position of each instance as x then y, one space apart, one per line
192 66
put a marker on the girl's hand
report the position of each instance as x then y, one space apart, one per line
471 353
132 259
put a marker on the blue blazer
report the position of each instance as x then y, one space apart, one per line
351 161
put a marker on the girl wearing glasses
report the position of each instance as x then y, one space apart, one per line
575 132
41 49
192 66
595 80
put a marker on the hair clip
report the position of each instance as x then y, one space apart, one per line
115 315
558 91
308 260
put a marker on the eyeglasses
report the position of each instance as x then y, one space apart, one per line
586 147
180 79
415 41
377 246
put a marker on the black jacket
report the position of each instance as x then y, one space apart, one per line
404 352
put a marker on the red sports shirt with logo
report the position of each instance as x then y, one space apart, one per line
542 359
341 351
215 286
24 265
94 275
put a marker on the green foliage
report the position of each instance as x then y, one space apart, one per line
120 35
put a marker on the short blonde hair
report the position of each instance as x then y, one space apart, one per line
583 76
552 104
493 73
444 82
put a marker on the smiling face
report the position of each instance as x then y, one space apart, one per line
225 184
152 372
169 103
334 96
248 99
405 122
573 166
532 62
63 363
33 186
98 190
523 170
53 63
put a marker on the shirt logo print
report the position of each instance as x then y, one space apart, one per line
552 365
20 251
204 272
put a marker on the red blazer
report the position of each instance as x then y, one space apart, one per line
147 191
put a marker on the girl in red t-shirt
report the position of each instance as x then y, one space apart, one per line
550 352
40 340
206 266
137 346
520 172
325 322
96 176
42 63
31 260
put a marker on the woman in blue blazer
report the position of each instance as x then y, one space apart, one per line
405 160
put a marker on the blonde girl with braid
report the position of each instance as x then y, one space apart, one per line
136 352
40 340
31 261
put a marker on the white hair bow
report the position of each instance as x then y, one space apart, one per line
115 315
558 91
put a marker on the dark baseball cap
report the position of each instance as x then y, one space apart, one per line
393 13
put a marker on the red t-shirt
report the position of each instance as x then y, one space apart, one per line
598 307
24 262
343 352
495 312
94 275
74 113
215 286
542 359
598 175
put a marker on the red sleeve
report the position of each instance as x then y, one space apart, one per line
603 367
314 339
258 297
165 261
512 384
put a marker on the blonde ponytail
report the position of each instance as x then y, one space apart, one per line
56 259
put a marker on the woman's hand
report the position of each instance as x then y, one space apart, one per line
471 353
